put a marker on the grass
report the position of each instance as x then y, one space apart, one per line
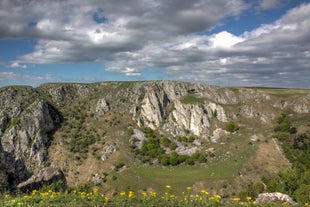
283 93
190 99
217 169
94 198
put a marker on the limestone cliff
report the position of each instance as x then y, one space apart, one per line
26 127
78 120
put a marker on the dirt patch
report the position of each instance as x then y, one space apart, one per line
268 159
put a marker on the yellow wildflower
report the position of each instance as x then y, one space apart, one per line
131 194
34 192
26 197
249 198
236 199
144 194
7 196
123 193
218 197
168 186
188 188
153 194
205 192
95 190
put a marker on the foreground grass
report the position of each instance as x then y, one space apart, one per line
123 199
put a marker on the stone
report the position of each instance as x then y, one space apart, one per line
274 197
102 107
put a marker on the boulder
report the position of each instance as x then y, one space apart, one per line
274 198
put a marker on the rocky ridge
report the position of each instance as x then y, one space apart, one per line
29 117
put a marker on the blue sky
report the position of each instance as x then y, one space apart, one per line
223 42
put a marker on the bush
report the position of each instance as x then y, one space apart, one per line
231 127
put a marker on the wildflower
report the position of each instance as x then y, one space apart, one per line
144 194
236 199
106 199
188 188
173 197
204 192
248 198
153 194
95 191
218 197
7 196
131 194
19 203
123 193
198 197
26 197
168 186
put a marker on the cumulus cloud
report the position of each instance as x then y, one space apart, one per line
17 65
172 35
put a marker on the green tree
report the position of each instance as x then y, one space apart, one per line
164 160
174 158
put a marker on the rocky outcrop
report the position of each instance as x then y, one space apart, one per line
275 197
152 108
62 94
102 107
161 108
29 117
44 177
25 140
187 117
217 134
108 150
28 138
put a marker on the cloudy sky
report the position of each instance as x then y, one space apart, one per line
219 42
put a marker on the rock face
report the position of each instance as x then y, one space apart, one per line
29 117
25 137
102 107
275 197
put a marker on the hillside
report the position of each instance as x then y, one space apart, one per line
144 135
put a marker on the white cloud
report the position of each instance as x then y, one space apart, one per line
170 35
224 40
131 72
17 65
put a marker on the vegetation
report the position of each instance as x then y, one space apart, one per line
154 149
296 146
191 99
95 198
231 127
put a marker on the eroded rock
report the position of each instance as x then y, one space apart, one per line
274 198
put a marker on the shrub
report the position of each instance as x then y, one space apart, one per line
231 127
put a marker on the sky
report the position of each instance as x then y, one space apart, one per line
219 42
